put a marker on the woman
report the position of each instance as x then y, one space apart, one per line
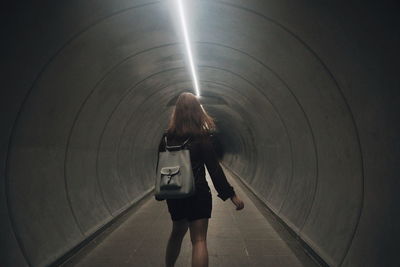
189 119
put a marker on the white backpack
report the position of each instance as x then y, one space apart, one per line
175 177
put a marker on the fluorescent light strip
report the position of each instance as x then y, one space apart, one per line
187 45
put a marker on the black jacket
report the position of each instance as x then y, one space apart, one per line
202 153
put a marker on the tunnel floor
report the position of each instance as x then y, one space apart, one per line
250 237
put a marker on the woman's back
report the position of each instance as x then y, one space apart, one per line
202 154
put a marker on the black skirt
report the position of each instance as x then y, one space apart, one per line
192 208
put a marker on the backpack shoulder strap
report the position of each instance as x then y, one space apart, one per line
177 146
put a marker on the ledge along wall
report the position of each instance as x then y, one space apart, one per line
305 94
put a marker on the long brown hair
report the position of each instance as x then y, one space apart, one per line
189 117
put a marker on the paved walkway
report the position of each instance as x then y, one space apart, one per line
250 237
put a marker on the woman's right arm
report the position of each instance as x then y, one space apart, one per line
224 189
221 184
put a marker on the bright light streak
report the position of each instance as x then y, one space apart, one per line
188 48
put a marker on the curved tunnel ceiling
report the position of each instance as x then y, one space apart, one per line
94 100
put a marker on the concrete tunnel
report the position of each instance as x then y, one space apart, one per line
305 95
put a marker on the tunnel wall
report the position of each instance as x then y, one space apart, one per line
310 116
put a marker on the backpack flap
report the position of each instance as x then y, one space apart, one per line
170 170
170 178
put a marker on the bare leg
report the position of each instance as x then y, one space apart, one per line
198 235
179 229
